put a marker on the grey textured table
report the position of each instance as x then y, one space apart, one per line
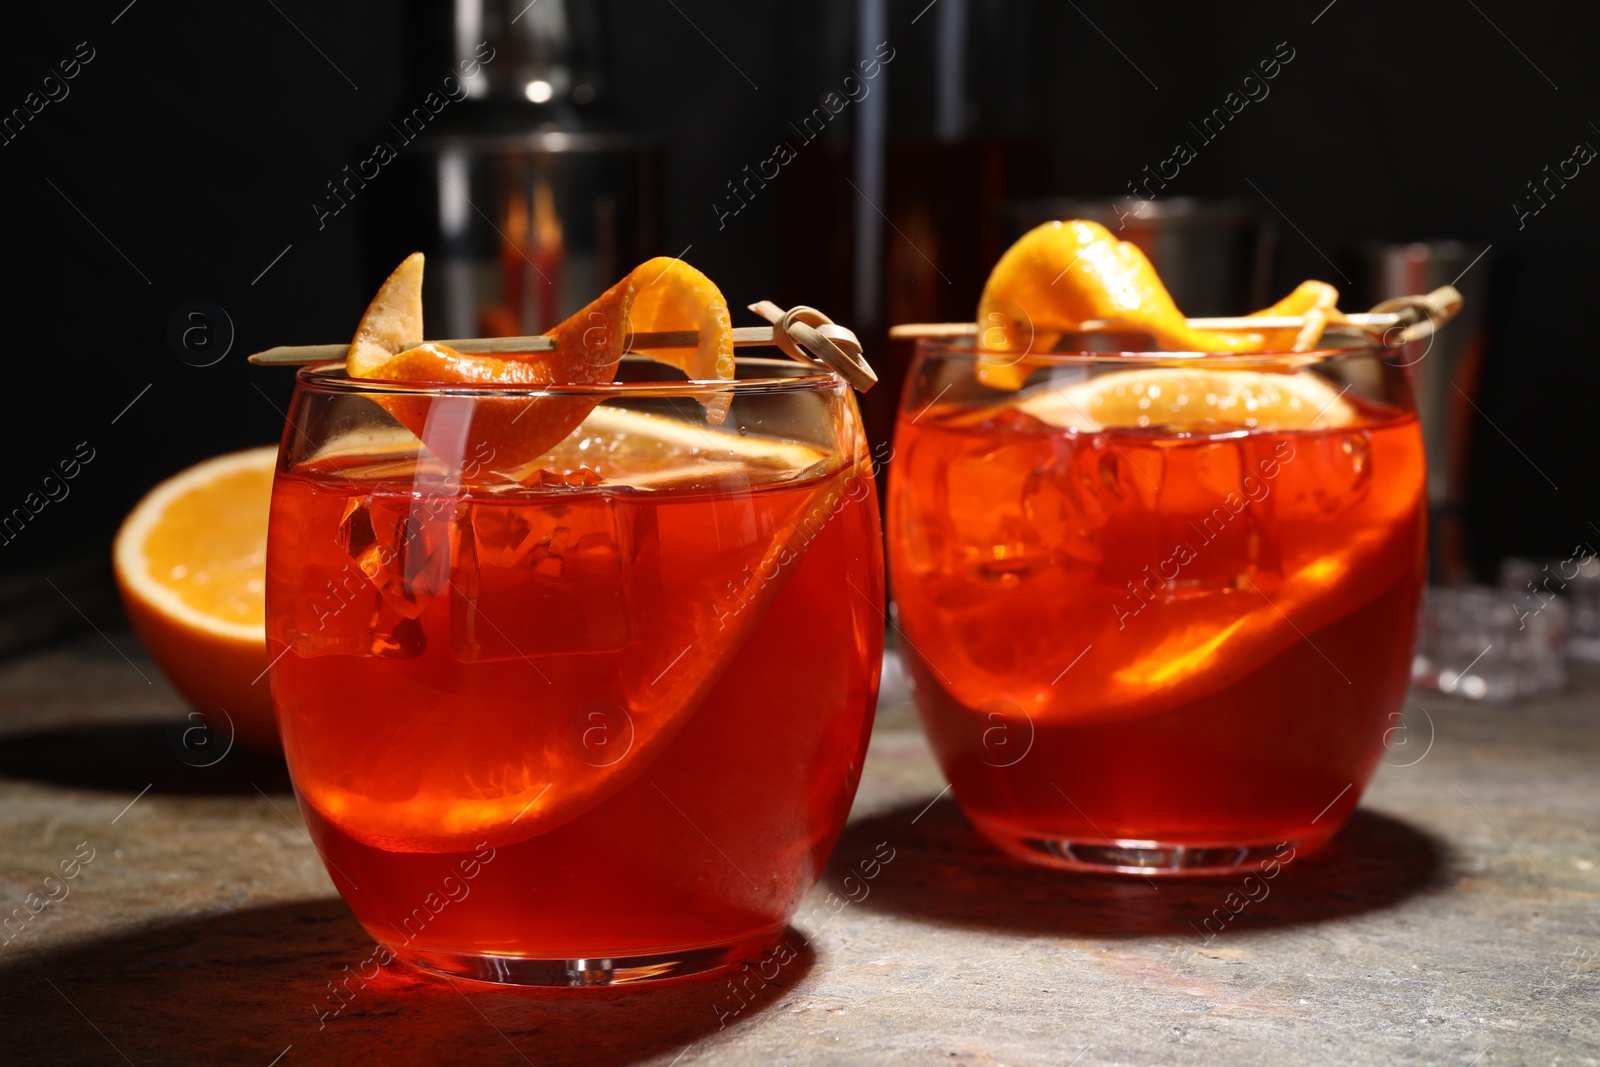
1455 921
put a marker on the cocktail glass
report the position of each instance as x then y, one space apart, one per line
596 719
1159 610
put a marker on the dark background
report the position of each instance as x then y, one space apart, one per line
190 148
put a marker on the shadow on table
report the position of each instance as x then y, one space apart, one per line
945 872
243 986
171 756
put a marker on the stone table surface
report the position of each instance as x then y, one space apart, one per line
1456 920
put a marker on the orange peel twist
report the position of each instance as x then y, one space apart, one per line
1061 275
660 294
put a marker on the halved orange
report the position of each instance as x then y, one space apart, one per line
659 294
1062 274
190 562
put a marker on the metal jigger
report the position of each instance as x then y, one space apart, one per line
1445 369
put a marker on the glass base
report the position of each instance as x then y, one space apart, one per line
1133 856
613 970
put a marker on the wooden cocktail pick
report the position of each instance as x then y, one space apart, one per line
801 333
1392 323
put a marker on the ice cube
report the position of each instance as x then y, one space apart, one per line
331 612
403 640
1343 466
400 542
1069 501
1216 521
539 578
982 507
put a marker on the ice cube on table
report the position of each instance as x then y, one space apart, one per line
1533 584
1478 643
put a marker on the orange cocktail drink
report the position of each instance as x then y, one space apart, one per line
599 723
1159 612
1158 577
571 681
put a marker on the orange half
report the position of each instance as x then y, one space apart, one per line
190 562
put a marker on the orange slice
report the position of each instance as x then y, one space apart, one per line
1160 667
1063 274
190 562
659 294
1203 398
1185 660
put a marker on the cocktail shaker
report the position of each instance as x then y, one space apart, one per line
1444 372
531 195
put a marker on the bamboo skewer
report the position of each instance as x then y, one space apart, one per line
802 333
1395 322
298 355
1276 322
807 335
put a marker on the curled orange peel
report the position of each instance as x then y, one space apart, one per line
660 294
1061 275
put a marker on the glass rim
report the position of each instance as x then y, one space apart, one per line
332 377
965 347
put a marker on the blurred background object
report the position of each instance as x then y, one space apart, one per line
914 183
1446 369
1476 644
1572 584
1214 255
537 194
205 154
